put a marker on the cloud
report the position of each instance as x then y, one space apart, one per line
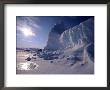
27 25
26 31
30 21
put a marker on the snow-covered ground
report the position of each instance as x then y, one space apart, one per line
56 66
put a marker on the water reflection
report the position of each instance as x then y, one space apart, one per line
27 66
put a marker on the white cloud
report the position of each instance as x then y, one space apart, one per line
27 31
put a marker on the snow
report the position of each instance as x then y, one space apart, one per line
58 66
70 51
75 36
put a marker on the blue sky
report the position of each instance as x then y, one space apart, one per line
32 31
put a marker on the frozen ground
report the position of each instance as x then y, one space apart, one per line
58 66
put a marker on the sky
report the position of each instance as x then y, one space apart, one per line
33 31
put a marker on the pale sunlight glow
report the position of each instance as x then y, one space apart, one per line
27 32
